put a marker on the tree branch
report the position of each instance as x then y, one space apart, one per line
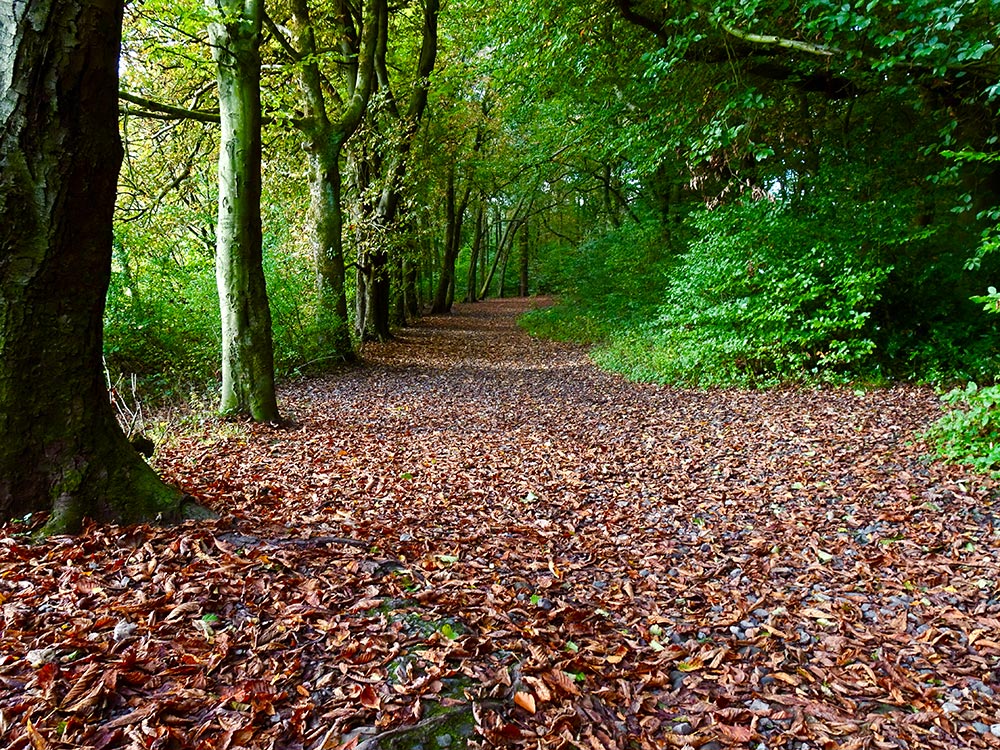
651 25
777 41
281 38
161 111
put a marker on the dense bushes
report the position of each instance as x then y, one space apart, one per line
818 288
608 285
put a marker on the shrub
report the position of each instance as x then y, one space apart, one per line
969 433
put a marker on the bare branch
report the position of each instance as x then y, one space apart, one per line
777 41
160 111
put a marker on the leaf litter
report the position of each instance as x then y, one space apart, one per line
480 535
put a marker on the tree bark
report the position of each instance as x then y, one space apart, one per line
411 289
61 448
247 349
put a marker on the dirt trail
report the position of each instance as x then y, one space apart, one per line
593 563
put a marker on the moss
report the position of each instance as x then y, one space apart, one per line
66 518
447 728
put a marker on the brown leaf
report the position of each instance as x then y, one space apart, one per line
369 698
38 742
525 700
737 733
85 692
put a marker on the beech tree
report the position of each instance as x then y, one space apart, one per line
380 170
61 448
247 350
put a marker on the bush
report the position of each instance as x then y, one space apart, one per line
161 317
827 285
606 285
969 433
162 313
769 292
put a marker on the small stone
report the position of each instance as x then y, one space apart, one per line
444 740
950 708
995 730
404 537
682 727
38 657
124 629
981 687
713 745
759 706
980 727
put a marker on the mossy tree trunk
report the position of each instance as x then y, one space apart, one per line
61 448
325 137
247 348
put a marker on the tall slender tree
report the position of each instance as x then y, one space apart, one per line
247 350
328 120
61 448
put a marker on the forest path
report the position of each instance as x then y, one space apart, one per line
777 554
474 515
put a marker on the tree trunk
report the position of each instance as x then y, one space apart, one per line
452 226
524 258
326 236
411 289
325 140
398 299
374 297
375 265
503 270
247 351
477 243
61 448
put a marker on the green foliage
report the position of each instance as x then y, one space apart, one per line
770 291
162 314
823 285
611 282
161 319
969 432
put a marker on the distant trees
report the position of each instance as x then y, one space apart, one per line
605 151
379 166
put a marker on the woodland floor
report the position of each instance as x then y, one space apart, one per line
481 537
